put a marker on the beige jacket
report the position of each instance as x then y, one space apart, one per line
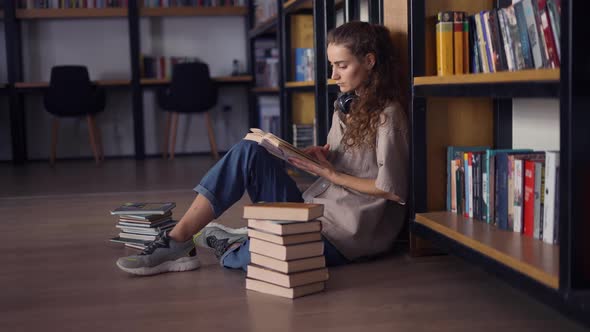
358 224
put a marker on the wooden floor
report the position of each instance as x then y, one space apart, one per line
58 271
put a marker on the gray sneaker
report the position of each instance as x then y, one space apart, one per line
219 237
162 255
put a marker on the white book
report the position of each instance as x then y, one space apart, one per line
549 218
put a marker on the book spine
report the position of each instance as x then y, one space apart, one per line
466 48
529 198
555 25
524 36
507 40
553 59
485 26
517 196
551 165
444 44
482 45
502 191
533 33
458 42
538 207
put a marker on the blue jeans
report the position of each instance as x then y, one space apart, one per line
249 167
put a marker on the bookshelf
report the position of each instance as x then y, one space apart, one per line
132 13
195 11
476 110
144 82
29 14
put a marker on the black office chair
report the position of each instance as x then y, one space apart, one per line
71 94
191 91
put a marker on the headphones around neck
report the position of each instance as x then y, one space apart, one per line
345 100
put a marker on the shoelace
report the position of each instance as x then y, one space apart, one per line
218 245
160 241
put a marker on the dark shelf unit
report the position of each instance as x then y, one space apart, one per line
559 276
12 20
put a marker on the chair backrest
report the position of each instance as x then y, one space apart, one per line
192 89
70 91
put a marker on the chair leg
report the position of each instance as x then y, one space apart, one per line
211 136
54 130
99 143
92 134
166 136
174 128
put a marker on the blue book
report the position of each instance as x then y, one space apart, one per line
501 199
485 37
300 64
524 35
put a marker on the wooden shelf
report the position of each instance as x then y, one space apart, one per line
40 85
294 5
299 84
528 256
539 75
219 79
541 83
195 11
306 84
265 90
268 26
70 13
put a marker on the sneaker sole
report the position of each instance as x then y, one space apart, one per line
235 231
179 265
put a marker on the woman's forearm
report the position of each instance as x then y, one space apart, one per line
366 186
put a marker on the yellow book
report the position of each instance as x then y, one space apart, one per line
444 44
458 46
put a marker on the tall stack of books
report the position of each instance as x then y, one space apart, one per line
286 248
139 223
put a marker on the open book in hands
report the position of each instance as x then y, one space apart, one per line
278 147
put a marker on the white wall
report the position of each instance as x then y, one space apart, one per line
216 41
103 46
535 124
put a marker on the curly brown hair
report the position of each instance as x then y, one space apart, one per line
381 88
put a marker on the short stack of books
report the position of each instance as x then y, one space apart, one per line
139 223
286 248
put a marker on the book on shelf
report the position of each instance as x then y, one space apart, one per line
286 239
279 227
290 252
60 4
514 189
291 293
287 280
287 211
524 35
277 146
144 208
297 265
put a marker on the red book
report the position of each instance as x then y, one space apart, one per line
529 198
548 33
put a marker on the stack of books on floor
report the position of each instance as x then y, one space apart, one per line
139 223
286 249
